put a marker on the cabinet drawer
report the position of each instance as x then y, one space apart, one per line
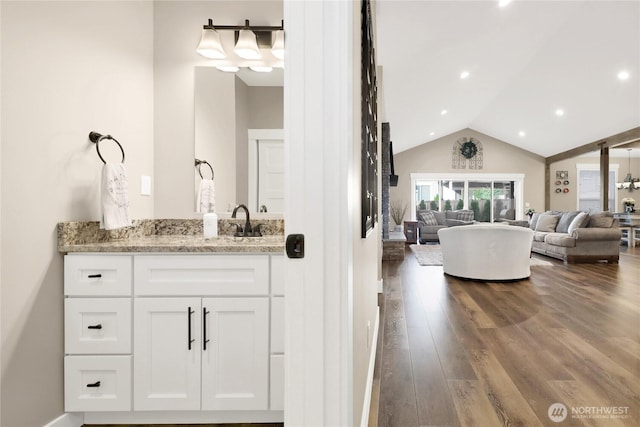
97 326
277 275
201 275
97 383
277 325
97 275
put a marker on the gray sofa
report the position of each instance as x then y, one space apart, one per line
576 237
429 222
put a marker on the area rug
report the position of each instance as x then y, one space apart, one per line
432 255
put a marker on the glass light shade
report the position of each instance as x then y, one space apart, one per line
210 45
247 46
278 44
261 68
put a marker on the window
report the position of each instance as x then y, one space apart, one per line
490 196
589 186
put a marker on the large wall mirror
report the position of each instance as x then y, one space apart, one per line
239 132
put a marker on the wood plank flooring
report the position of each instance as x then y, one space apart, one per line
457 352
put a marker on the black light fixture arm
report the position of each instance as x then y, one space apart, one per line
246 26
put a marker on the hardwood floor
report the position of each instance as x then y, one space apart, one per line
456 352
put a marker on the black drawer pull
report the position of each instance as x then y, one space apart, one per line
96 384
189 339
94 276
205 340
94 326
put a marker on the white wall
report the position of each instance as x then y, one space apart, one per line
177 26
67 68
367 254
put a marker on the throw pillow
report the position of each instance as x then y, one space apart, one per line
565 221
465 215
547 223
429 218
440 217
451 214
578 222
534 220
601 220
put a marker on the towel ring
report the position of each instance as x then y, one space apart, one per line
96 137
204 162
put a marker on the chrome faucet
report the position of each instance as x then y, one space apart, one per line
247 231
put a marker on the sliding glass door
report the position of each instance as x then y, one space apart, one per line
480 200
490 196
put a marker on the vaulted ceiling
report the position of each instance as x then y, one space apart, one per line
525 61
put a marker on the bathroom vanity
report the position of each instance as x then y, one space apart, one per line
174 328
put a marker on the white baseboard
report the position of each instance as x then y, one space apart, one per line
380 289
366 405
67 420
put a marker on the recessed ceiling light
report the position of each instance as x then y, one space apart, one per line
503 3
443 112
559 112
623 75
522 133
431 133
464 75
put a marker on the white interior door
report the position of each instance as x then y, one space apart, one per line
266 170
270 175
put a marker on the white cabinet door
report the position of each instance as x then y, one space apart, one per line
167 351
235 363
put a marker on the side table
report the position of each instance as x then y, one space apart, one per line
411 231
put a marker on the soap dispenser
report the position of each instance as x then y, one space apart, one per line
210 222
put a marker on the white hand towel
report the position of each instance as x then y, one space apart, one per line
206 196
114 197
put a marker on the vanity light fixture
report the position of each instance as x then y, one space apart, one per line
629 182
259 47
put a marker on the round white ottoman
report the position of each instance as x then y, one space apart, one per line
486 251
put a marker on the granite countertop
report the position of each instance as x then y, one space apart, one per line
166 236
183 244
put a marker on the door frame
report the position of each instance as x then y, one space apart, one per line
254 136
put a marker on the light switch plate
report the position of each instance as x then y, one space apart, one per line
145 185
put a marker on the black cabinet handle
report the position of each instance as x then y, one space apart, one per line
205 340
99 326
96 384
190 312
94 276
